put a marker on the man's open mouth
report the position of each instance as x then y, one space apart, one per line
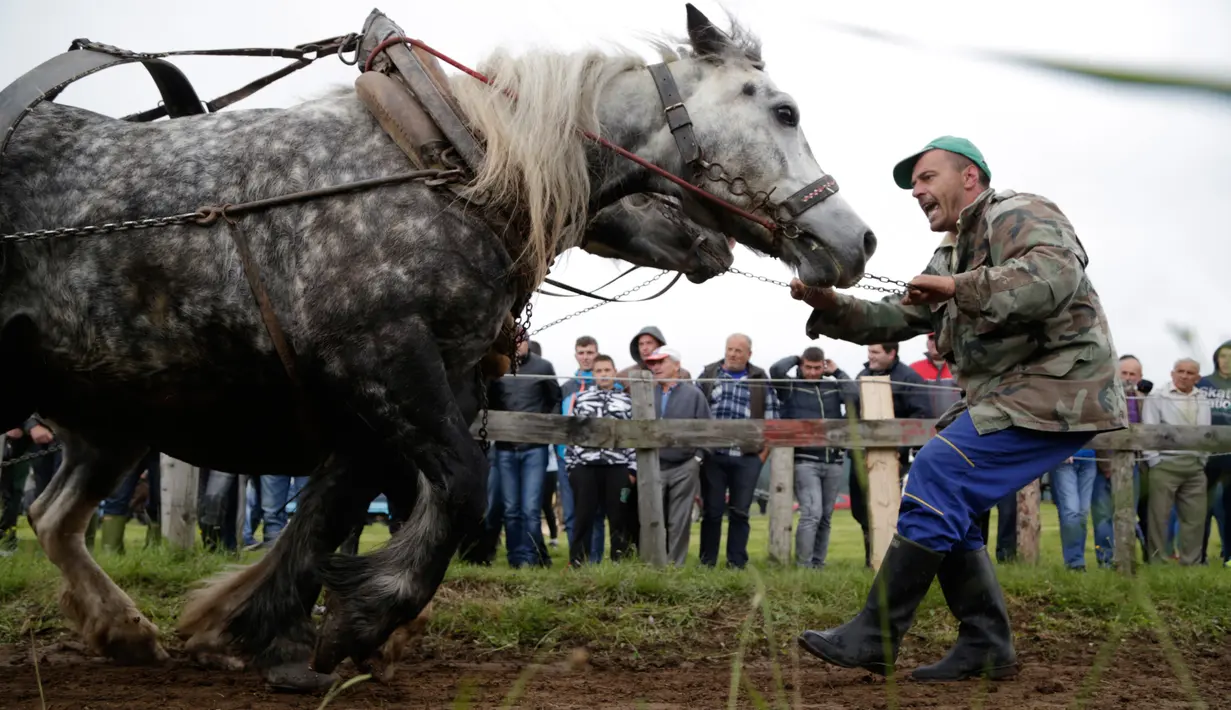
929 206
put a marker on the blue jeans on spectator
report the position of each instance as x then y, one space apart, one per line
275 492
1102 510
816 487
521 486
1073 489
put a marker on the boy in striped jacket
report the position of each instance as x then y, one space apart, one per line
596 474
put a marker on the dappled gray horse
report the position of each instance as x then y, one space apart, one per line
390 296
263 611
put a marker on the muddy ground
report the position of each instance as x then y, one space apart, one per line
1054 675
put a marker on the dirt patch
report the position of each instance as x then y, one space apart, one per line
1054 676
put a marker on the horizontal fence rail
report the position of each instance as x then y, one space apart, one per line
872 430
529 428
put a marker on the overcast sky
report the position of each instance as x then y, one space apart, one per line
1142 173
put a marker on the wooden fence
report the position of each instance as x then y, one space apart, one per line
877 434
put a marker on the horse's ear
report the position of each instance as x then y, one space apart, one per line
707 40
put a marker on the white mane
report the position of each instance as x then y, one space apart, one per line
535 157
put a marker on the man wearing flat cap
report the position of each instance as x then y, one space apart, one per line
1007 294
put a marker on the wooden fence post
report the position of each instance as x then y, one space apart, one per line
781 496
178 488
653 548
884 493
1028 522
1125 529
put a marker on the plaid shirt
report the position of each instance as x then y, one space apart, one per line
734 401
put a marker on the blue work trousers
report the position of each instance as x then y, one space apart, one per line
960 474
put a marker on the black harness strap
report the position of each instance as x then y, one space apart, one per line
595 296
323 48
83 58
624 273
677 115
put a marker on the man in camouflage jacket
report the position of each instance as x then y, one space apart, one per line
1022 328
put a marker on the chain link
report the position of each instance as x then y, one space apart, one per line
31 456
884 279
767 280
95 230
483 442
873 277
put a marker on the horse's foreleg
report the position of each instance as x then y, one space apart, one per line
413 412
101 612
264 610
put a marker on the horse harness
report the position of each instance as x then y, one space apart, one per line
404 88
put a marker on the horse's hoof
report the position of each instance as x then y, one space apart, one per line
132 641
137 654
329 653
298 678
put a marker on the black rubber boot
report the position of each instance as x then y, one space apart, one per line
984 638
904 578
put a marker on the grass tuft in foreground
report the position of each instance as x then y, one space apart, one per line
630 613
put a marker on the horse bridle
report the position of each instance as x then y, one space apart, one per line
680 125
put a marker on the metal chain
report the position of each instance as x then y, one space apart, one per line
30 456
209 214
731 270
600 304
521 331
882 279
767 280
100 229
483 442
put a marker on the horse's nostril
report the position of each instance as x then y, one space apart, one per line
869 244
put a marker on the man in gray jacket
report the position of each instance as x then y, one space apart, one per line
680 468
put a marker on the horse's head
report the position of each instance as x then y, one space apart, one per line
712 116
648 230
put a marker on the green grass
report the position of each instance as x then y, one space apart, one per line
633 613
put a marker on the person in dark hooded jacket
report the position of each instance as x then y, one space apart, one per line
643 344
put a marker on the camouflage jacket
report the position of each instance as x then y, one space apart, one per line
1025 333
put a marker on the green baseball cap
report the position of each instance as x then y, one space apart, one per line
953 144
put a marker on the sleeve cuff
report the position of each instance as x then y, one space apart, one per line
966 292
815 326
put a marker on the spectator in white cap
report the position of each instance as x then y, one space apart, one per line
679 468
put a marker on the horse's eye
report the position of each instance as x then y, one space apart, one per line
787 115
